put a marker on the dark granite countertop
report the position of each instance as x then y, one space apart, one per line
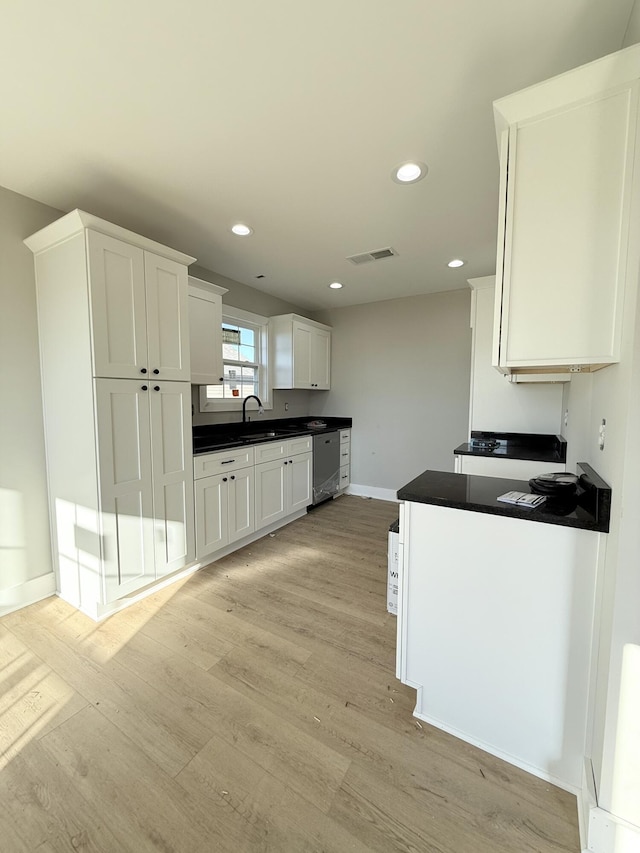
515 445
589 511
208 438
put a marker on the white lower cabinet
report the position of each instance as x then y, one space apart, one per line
345 458
224 510
145 486
283 486
243 490
502 610
224 498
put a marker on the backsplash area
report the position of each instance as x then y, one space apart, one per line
300 403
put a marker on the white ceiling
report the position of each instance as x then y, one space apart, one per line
177 119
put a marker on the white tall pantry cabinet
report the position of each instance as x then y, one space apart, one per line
114 347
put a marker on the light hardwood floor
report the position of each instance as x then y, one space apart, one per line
251 707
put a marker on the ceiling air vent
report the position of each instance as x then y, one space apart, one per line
376 255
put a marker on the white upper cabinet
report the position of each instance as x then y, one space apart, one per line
567 154
301 351
205 332
138 310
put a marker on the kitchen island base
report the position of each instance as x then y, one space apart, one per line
496 628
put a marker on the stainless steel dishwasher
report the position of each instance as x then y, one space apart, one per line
326 466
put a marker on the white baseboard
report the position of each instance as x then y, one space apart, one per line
103 611
27 593
373 492
600 830
505 756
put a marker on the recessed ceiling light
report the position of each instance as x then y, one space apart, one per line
335 285
241 230
409 173
456 262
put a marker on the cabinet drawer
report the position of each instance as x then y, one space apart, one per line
270 451
223 460
299 445
344 476
345 436
345 455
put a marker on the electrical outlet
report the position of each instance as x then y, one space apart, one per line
601 434
566 417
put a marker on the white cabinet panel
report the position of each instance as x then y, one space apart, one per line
225 509
205 336
241 504
301 356
118 307
345 478
300 475
212 524
270 451
206 464
172 477
139 311
516 469
270 492
568 148
126 490
321 360
119 453
167 318
301 352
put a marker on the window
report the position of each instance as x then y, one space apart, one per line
244 353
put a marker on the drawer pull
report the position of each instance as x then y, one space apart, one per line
227 461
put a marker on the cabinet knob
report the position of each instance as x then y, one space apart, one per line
156 371
221 379
291 462
224 479
156 387
144 387
233 476
143 370
286 463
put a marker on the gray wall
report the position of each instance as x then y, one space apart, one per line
401 370
25 549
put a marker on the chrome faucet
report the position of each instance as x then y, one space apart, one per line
244 407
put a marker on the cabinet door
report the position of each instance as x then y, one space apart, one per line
568 192
300 482
126 491
270 492
321 359
301 355
241 503
211 514
205 337
118 307
167 318
172 475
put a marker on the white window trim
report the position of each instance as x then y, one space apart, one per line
237 315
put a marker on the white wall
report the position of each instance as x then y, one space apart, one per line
498 405
612 394
400 369
25 550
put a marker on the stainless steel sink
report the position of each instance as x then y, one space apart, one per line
253 436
